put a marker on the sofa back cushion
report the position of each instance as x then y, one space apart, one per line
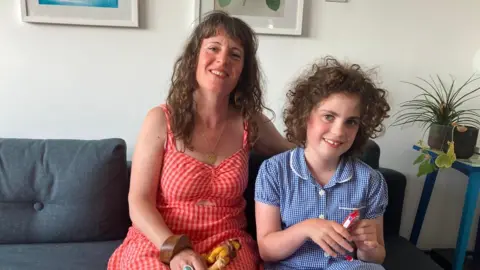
63 190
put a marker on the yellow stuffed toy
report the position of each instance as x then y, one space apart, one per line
222 255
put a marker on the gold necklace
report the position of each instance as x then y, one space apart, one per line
211 156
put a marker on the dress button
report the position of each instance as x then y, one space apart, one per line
321 192
38 206
321 217
326 254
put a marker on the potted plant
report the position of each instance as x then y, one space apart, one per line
453 130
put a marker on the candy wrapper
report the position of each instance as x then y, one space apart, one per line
348 223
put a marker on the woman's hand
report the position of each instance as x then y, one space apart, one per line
188 257
329 235
364 234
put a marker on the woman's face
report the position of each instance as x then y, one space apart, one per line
220 63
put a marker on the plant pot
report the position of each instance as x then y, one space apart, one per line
438 135
465 142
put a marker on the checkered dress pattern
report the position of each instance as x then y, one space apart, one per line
285 181
194 198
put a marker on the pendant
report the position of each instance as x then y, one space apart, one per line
211 158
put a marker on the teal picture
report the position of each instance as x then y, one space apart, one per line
88 3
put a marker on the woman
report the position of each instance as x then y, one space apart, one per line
189 169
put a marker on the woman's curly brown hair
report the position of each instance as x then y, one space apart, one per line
330 77
247 97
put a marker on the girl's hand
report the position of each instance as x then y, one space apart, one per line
329 235
188 257
364 234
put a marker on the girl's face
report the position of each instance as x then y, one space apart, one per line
220 63
333 125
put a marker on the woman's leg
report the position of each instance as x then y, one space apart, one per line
136 254
247 259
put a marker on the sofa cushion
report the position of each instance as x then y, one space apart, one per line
81 256
62 190
401 255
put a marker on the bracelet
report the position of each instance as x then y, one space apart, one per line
172 246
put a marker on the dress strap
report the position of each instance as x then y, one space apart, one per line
245 135
170 138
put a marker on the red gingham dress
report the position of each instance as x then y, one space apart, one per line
194 198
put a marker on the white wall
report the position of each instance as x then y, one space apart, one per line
94 82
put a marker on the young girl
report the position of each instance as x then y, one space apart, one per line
304 195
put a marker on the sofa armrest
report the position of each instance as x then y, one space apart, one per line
396 183
371 154
129 169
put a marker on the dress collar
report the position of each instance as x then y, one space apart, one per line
298 165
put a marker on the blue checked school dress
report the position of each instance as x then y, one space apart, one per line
285 181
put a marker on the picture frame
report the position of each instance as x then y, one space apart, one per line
114 13
287 19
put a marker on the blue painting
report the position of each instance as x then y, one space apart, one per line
88 3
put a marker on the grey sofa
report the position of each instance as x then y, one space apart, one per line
63 205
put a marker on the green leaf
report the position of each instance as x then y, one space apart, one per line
451 95
224 3
419 159
273 4
444 161
447 93
455 104
467 82
460 103
426 91
435 89
425 168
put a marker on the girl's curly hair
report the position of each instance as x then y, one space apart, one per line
331 77
246 97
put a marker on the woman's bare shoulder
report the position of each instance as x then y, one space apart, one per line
155 124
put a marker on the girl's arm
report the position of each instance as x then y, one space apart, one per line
371 250
274 243
146 168
368 233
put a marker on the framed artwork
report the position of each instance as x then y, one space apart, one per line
275 17
121 13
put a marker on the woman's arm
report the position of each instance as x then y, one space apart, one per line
274 243
372 250
146 168
270 141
